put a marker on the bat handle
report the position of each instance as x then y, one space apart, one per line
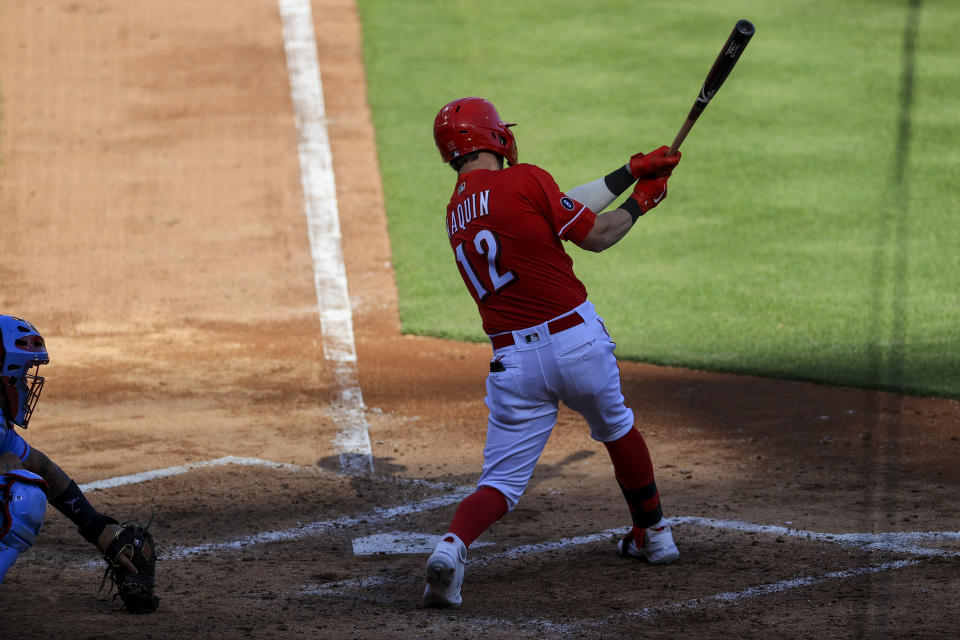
678 140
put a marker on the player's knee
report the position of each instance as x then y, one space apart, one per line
26 504
612 430
511 493
22 518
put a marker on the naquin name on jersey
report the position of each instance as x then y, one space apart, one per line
474 206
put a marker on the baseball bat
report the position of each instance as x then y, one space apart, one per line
728 56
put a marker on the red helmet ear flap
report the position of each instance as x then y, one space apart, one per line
471 124
510 144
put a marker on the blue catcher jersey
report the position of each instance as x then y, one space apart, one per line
11 442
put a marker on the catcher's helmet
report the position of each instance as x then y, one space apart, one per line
22 351
471 124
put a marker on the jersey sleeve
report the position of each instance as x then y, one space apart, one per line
11 442
570 220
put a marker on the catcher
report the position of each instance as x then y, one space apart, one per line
28 478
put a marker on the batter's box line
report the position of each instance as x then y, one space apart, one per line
156 474
891 542
887 542
726 598
342 588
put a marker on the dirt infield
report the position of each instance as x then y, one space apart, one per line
154 231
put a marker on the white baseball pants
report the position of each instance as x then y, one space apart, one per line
527 381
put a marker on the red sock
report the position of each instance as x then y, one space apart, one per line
476 512
634 471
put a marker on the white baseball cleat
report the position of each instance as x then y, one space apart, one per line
658 545
445 573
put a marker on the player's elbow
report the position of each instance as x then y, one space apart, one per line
605 233
590 244
604 236
595 244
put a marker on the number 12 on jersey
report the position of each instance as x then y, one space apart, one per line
487 245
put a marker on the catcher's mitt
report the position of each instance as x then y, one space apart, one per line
135 589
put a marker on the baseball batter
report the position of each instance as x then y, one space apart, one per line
506 227
28 477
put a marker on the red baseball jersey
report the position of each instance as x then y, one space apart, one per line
505 228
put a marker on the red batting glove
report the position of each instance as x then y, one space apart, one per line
649 193
655 164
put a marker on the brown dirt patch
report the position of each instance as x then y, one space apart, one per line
154 231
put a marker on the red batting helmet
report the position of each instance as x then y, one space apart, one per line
471 124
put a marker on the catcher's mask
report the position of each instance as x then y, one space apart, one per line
22 351
472 124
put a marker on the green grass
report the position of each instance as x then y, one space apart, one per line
785 248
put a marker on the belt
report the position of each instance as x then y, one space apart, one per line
563 323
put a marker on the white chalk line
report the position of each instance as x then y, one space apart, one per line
696 604
893 542
323 227
167 472
156 474
729 597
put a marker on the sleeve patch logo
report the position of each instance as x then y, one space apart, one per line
566 203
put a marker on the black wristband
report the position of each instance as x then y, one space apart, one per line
73 504
618 181
633 208
92 530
